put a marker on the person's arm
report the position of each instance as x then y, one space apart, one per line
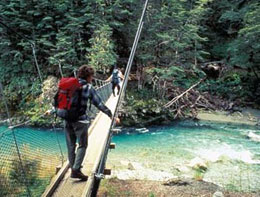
121 75
109 79
51 111
96 100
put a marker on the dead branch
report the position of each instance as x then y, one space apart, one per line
167 105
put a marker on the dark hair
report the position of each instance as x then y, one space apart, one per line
85 71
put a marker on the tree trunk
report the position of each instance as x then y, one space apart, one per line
139 77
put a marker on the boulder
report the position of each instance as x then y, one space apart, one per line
212 69
198 163
130 166
218 194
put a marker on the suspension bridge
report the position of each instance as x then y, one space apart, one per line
35 165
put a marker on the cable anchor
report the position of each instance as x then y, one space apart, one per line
99 176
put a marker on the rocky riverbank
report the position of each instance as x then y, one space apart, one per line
246 116
143 108
153 114
172 187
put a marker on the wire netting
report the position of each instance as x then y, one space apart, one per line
104 90
30 157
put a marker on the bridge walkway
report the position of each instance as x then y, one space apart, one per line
64 186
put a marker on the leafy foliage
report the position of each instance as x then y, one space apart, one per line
102 55
245 49
177 37
143 109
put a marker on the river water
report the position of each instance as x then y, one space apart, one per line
52 141
232 158
229 157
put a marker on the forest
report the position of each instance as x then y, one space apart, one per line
183 42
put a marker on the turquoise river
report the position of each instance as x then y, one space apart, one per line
228 154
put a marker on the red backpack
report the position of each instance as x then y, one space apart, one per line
67 100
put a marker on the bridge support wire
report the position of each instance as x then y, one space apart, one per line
32 45
99 174
36 62
58 141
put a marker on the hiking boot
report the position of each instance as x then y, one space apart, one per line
78 174
79 167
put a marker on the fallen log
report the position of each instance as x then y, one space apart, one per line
167 105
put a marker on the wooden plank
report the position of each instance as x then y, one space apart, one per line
56 180
107 171
112 146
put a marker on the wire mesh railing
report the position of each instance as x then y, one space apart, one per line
104 90
30 157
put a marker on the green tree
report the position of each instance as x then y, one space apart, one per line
245 50
101 54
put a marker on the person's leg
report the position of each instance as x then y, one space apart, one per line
81 131
118 89
71 142
113 88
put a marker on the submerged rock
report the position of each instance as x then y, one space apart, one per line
135 166
251 135
218 194
142 130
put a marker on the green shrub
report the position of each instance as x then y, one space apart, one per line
27 173
199 173
3 183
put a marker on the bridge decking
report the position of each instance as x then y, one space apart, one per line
98 133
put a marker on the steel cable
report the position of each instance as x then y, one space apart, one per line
127 72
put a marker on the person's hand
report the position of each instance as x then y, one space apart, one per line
117 120
47 113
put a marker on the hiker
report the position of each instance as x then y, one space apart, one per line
115 79
77 128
